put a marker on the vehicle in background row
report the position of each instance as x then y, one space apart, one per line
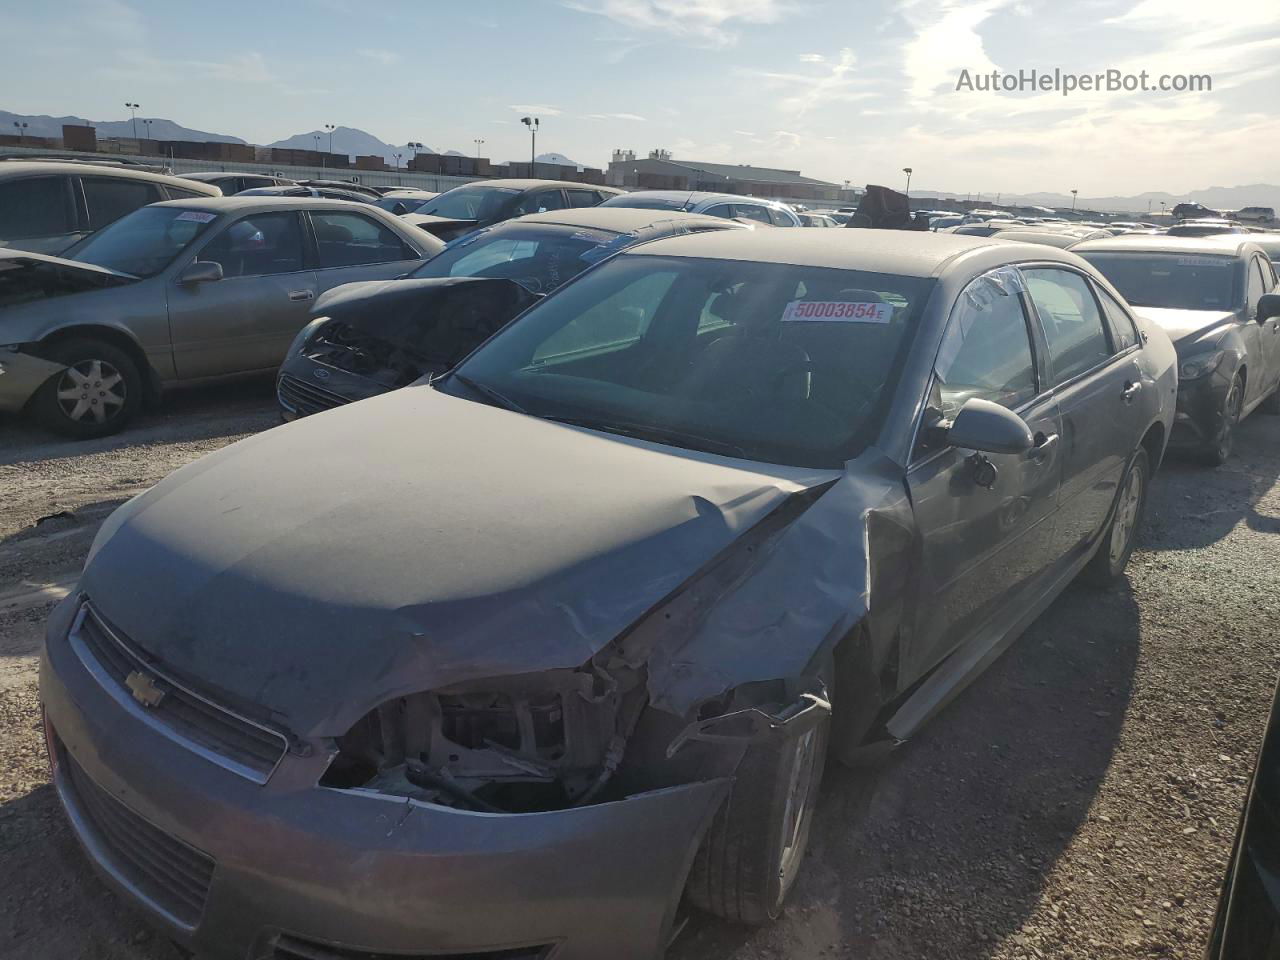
1256 214
299 190
1216 298
603 596
232 183
186 290
481 204
1204 228
1062 239
817 220
401 202
371 192
376 336
48 205
727 205
1193 211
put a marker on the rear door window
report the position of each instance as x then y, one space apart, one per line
583 198
750 211
35 207
349 239
780 218
1123 333
110 198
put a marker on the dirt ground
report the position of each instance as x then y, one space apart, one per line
1078 801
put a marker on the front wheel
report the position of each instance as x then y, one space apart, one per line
1107 565
95 396
1219 448
753 849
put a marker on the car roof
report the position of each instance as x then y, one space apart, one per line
241 203
694 197
900 252
623 219
27 168
1226 244
532 184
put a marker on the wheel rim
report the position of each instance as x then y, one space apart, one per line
91 391
797 810
1126 515
1230 414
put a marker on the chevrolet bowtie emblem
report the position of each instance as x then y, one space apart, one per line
144 689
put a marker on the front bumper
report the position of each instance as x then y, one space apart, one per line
21 375
1198 415
357 870
305 386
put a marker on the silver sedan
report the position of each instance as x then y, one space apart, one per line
180 291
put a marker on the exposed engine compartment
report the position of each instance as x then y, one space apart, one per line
516 744
340 345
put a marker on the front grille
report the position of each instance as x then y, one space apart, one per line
240 744
306 398
168 872
285 947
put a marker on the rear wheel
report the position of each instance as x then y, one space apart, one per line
95 396
1219 448
756 843
1107 565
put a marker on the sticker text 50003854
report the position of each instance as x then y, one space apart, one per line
838 311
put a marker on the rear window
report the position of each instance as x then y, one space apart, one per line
539 258
110 198
1172 280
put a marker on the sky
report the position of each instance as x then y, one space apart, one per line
837 89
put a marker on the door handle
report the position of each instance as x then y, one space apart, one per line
301 294
1044 446
1130 391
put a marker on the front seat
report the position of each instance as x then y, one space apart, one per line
749 363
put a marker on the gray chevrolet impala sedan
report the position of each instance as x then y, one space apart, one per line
180 292
508 664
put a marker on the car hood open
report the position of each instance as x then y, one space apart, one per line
411 541
1184 324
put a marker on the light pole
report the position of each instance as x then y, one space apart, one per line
1162 208
1073 200
479 143
330 127
133 110
146 127
316 138
22 128
532 124
907 171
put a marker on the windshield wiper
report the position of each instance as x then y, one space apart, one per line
641 431
486 391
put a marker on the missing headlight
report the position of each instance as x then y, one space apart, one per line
542 742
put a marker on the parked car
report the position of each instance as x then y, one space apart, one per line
376 336
1063 239
942 222
48 205
1193 211
986 228
372 193
727 205
180 291
1256 214
1216 298
401 202
841 217
232 183
509 659
816 220
298 190
1247 923
1204 228
484 203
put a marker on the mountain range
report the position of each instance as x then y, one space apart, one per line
1216 198
46 126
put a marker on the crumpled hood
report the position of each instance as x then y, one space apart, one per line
1182 324
436 225
410 541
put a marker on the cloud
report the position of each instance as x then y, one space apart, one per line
541 109
384 57
834 82
705 22
612 116
812 58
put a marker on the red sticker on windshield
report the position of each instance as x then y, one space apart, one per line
839 311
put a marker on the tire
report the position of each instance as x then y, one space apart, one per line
1117 541
1219 449
66 402
755 845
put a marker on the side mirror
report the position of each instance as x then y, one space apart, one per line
1268 306
201 271
990 428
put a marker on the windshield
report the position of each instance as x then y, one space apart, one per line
772 362
538 257
143 242
1173 281
469 203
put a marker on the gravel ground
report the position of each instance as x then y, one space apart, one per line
1077 801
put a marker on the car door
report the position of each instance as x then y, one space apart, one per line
38 214
353 246
246 320
982 548
1099 387
1268 331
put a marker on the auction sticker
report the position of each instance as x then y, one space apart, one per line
837 311
1204 262
196 215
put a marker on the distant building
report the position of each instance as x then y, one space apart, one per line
660 171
